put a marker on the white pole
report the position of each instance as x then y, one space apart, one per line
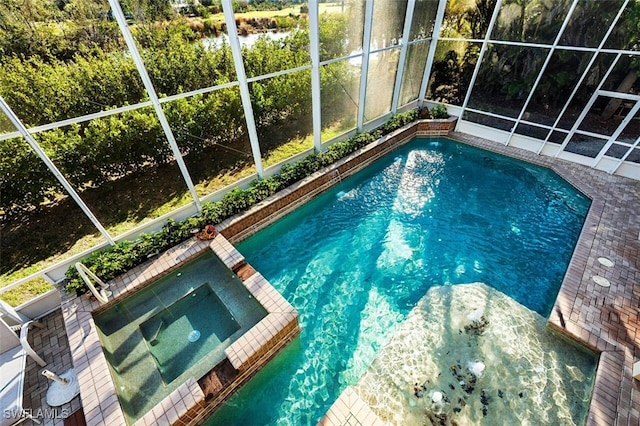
314 41
408 18
483 49
364 69
584 75
234 42
542 70
587 107
624 157
632 113
432 51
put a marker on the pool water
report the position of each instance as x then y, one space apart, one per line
197 323
356 260
175 328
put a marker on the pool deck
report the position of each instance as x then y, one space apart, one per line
605 318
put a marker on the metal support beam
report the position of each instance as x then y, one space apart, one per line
619 130
234 43
47 161
426 75
151 91
406 31
364 69
624 157
613 94
314 48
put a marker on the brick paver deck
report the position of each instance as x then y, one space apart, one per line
51 344
604 318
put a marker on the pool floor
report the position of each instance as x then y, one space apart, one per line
489 359
196 324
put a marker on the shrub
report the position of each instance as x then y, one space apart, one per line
439 111
210 27
398 121
196 26
201 10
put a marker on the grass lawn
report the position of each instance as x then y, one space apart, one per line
323 8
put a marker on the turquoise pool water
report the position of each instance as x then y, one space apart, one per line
357 259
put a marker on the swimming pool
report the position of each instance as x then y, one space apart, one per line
175 328
356 260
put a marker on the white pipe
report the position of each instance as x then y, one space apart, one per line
85 273
53 376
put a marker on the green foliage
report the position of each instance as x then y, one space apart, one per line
285 23
42 92
508 72
211 28
24 179
267 55
280 99
333 36
399 120
446 83
104 149
439 111
264 188
40 28
124 255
